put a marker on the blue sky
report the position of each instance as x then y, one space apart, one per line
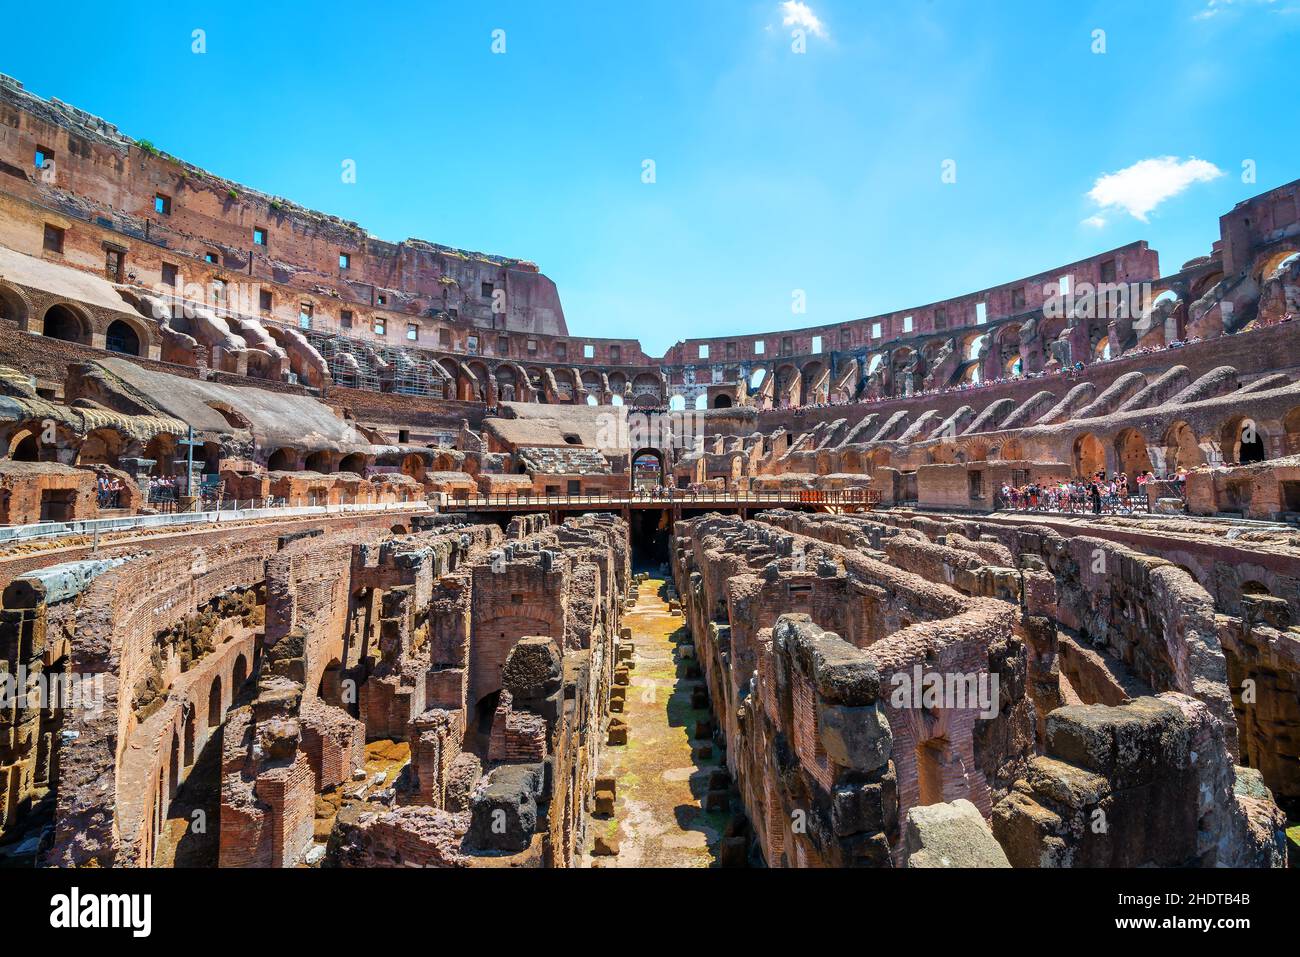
774 171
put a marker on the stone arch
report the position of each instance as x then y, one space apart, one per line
13 306
282 460
507 383
1089 455
646 384
972 344
879 458
122 336
355 463
322 460
566 385
413 465
814 385
162 449
1012 450
1131 455
641 476
943 453
1006 343
1182 450
24 446
238 674
102 447
215 702
67 322
1291 432
174 767
722 401
234 418
1242 441
188 734
783 377
1268 264
483 385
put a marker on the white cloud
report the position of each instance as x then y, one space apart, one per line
1095 221
1140 188
1213 8
798 14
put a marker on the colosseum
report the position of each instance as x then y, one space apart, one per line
323 551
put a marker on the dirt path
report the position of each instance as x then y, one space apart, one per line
657 817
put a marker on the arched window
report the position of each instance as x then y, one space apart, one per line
120 337
215 712
62 323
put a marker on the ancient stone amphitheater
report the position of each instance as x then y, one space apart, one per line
323 551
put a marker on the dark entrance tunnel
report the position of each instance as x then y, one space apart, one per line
651 528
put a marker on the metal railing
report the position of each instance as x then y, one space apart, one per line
682 497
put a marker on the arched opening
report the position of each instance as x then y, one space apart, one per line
189 741
677 403
214 703
648 469
1102 352
647 389
413 465
756 378
1254 588
1243 442
616 399
1131 453
322 461
101 447
174 767
1182 451
506 384
162 451
355 463
722 401
1089 455
591 399
1012 450
238 675
120 337
62 323
484 711
282 460
25 448
929 770
12 307
702 401
1291 432
1252 447
813 383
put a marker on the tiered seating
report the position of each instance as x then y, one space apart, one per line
563 461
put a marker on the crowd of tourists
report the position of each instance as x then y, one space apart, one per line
1098 494
164 488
